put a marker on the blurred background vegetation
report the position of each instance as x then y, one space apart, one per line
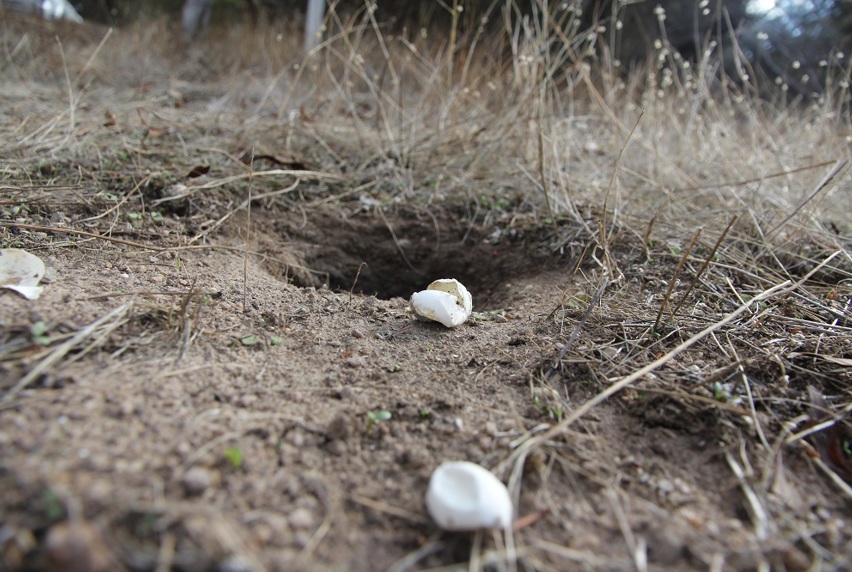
788 43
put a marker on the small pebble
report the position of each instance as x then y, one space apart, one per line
197 480
237 563
77 546
301 518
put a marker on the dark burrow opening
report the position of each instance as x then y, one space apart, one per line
402 253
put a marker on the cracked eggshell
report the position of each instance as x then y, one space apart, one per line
21 271
466 496
446 301
457 289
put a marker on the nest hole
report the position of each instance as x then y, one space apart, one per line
394 256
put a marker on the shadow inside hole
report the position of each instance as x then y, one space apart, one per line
417 252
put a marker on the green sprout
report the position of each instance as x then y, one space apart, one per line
37 333
720 392
554 413
52 505
234 456
145 527
249 340
135 219
374 417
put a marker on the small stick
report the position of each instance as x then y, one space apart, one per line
578 328
357 275
647 236
248 234
705 265
676 275
530 519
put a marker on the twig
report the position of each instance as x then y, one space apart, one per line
248 232
354 282
704 266
674 278
578 328
244 204
117 205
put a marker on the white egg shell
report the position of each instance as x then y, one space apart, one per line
466 496
457 289
21 271
446 301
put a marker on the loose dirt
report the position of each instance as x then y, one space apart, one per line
210 405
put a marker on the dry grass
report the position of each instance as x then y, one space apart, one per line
709 223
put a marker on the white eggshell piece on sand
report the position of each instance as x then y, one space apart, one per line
466 496
21 271
456 288
446 301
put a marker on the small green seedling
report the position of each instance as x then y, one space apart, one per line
53 508
721 392
146 525
249 340
135 219
234 456
37 333
490 316
374 417
554 413
275 341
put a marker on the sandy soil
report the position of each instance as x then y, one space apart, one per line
208 406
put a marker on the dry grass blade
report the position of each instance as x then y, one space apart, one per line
99 327
838 481
758 513
386 508
838 167
507 144
604 233
675 277
593 303
409 562
703 268
523 450
246 204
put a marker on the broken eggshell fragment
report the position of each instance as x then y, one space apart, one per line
466 496
21 271
446 301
